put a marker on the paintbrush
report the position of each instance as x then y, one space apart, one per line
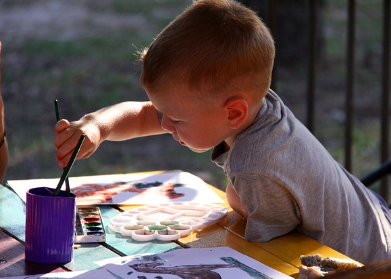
68 189
67 169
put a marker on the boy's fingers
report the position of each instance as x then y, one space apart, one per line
61 126
62 163
61 140
64 134
65 151
66 143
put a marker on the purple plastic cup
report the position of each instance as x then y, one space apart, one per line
50 226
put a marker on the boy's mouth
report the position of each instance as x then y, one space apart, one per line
178 140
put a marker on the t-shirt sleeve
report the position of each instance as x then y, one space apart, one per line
272 209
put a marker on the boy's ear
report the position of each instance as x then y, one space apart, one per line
237 111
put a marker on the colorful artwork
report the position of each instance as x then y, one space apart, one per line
103 193
191 263
131 189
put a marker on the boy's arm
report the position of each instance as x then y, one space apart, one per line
235 202
119 122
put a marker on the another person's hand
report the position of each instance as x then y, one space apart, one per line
3 140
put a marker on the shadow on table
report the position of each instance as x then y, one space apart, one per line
23 268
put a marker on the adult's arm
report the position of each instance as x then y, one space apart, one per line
3 139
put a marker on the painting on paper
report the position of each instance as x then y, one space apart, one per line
131 189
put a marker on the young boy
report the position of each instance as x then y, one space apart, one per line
207 75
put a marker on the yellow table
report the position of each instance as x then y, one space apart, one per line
282 253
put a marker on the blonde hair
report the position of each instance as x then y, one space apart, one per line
212 45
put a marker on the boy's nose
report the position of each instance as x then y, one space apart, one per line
166 125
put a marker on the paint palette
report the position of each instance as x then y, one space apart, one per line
89 225
166 222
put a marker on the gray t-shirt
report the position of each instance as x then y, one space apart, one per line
287 180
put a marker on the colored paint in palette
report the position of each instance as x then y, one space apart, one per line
89 225
166 222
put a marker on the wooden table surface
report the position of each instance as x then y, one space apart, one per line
282 253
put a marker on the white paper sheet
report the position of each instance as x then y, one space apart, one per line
132 189
210 263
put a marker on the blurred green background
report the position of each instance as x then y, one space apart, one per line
82 52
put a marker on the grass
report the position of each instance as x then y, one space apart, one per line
86 74
366 130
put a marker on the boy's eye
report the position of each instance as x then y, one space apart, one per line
161 115
175 121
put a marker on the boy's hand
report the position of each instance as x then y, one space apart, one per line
118 122
68 135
